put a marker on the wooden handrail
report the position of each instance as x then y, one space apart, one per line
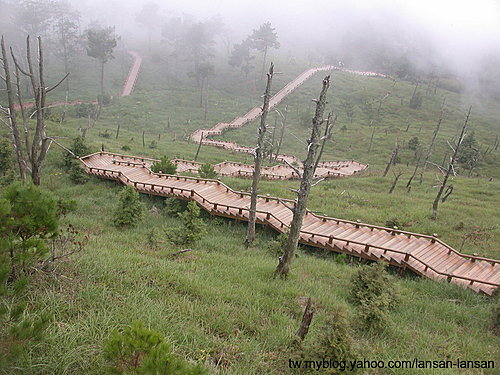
268 214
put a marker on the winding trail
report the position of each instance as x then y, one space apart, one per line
425 255
325 169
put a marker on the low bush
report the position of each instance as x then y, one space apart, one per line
164 166
139 350
373 292
130 209
207 171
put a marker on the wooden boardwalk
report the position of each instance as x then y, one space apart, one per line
425 255
327 169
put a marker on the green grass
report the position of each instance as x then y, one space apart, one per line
219 303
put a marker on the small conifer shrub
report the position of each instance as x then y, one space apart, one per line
130 209
139 350
164 166
207 171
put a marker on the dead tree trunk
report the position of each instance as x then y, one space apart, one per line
450 167
395 182
371 138
306 320
392 160
282 133
11 114
434 135
305 185
258 157
40 142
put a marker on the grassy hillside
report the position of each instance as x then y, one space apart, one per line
219 303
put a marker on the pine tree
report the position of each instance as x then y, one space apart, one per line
130 209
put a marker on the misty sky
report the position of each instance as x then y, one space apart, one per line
460 31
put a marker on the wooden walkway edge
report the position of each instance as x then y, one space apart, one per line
425 255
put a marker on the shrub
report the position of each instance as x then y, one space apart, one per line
164 165
153 144
130 209
104 99
373 292
275 246
416 101
335 342
84 110
79 148
174 206
105 134
155 239
193 228
126 148
207 171
6 162
76 173
139 350
414 144
29 218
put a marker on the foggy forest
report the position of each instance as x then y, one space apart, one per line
249 187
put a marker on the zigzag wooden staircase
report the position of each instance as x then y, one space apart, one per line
425 255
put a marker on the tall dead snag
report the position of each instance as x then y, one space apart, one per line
299 209
258 157
392 160
434 135
40 143
282 132
395 181
11 114
429 150
450 167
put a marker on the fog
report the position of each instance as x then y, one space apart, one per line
446 36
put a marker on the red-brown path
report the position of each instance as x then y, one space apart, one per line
128 86
425 255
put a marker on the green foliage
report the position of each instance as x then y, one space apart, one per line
105 134
373 292
416 100
153 145
85 110
155 239
174 206
335 342
241 57
468 153
414 144
276 245
130 209
264 38
6 162
126 148
164 166
207 171
101 41
79 148
76 173
104 99
193 228
30 218
139 350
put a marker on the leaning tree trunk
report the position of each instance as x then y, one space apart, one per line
305 185
264 63
259 155
14 130
450 167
